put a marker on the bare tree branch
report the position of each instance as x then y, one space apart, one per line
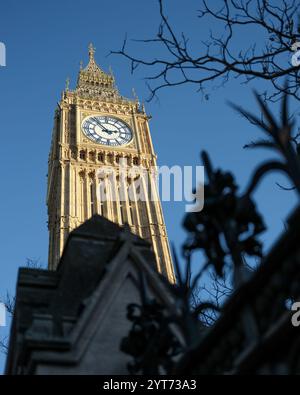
4 345
219 57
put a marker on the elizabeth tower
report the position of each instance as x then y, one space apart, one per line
96 128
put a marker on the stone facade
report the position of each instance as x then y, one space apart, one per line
74 162
72 320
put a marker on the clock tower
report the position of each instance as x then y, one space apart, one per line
96 129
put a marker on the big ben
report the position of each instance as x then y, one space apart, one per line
96 128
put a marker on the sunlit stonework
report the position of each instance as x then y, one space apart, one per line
95 127
94 83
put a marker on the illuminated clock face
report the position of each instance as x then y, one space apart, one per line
107 130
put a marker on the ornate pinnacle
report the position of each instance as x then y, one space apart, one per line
111 72
67 84
92 50
92 81
134 95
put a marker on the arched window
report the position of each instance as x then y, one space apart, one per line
130 214
110 158
82 155
122 207
101 208
92 155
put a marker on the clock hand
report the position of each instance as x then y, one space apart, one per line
97 122
110 132
100 125
104 128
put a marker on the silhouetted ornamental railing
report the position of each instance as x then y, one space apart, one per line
253 330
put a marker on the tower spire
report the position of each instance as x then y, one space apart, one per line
94 82
92 51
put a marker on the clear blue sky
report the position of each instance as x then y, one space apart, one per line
45 42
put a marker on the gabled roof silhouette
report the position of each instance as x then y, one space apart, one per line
62 316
